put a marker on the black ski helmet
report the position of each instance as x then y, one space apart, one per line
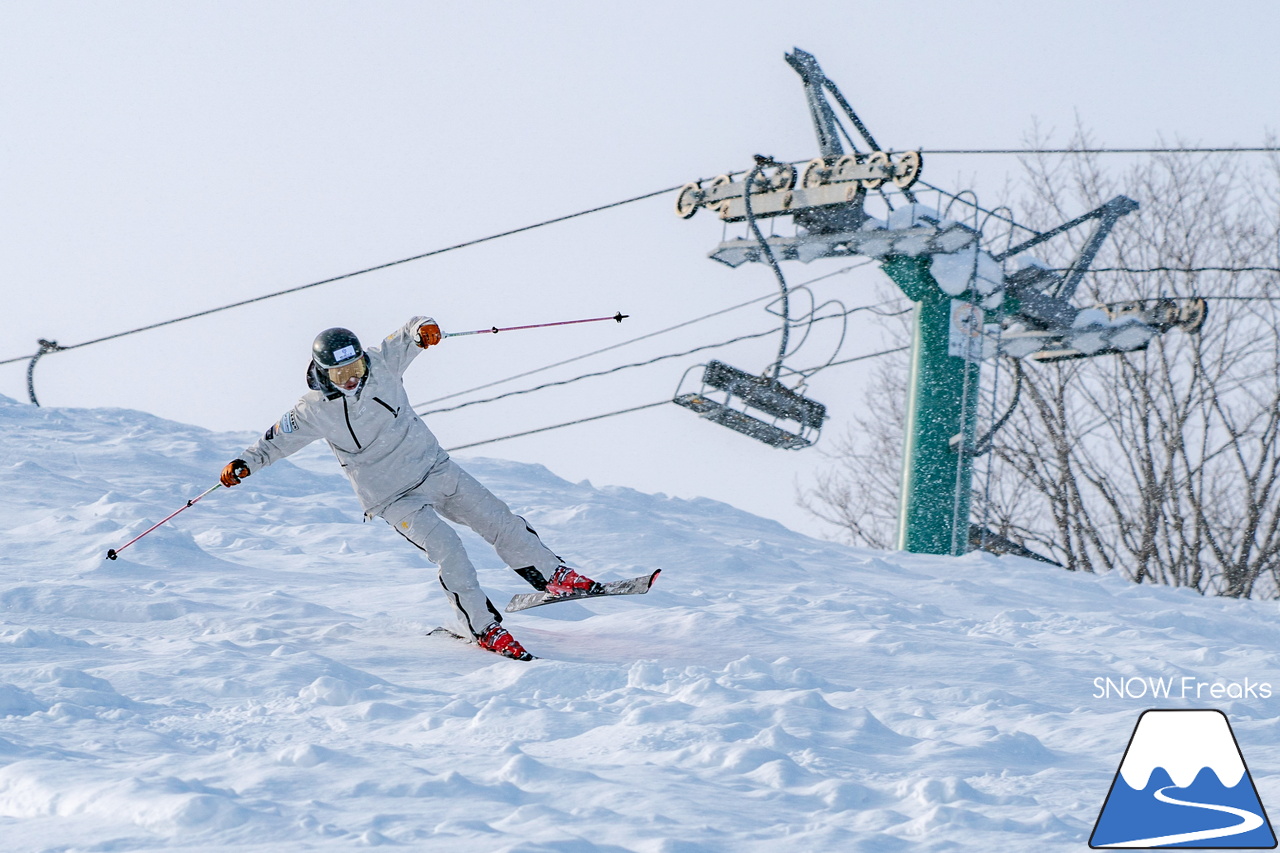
336 347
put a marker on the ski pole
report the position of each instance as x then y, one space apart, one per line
112 553
619 317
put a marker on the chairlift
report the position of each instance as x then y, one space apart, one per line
787 420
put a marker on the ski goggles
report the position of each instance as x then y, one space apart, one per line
341 376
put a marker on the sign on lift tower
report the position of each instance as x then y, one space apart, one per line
970 304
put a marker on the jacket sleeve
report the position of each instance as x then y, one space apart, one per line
294 431
401 347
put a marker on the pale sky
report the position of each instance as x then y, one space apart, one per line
160 159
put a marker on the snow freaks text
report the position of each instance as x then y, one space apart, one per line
1185 687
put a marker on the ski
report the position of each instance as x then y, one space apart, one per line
445 632
632 586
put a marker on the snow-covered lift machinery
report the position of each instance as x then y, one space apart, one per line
967 307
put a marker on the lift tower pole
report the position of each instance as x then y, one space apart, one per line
942 394
937 469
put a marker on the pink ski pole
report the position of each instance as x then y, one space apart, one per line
112 553
619 317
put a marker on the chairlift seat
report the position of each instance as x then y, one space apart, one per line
765 395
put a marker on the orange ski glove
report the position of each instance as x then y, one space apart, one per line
429 334
235 470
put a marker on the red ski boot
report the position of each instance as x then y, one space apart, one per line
499 641
565 580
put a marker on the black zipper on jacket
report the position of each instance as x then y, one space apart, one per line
395 413
347 414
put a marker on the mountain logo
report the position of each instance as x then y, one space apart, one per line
1183 783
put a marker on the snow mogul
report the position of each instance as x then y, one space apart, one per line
358 404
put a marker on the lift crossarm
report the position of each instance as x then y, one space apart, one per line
1107 215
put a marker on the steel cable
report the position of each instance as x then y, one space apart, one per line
345 276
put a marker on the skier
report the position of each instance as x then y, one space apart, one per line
358 404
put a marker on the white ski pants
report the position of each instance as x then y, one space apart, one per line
451 493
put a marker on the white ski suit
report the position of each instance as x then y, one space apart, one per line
400 472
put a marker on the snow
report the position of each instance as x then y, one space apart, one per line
969 267
1088 317
255 674
912 215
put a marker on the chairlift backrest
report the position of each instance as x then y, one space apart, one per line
757 394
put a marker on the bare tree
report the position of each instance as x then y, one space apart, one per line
856 493
1162 464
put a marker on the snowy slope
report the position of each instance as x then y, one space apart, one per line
255 675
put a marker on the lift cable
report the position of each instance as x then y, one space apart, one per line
1230 298
755 173
611 370
1179 269
1183 150
559 426
681 325
872 355
983 445
345 276
627 411
645 363
1175 150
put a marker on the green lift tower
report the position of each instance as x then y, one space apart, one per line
970 304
